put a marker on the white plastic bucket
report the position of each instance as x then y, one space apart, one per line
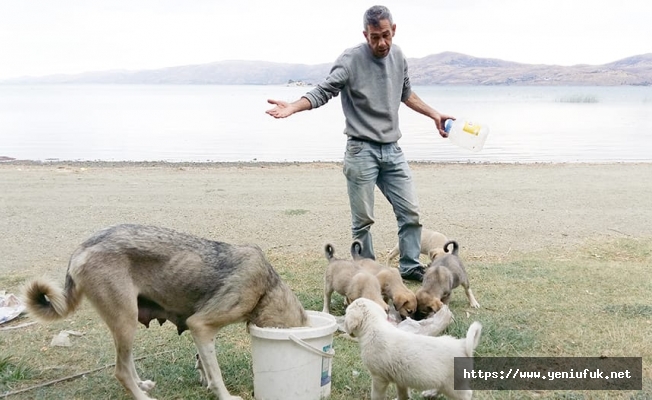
295 363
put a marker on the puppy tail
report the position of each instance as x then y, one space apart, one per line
329 251
455 247
473 338
46 302
356 250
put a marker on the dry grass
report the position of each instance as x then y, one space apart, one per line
591 301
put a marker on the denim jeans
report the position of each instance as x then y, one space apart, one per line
366 165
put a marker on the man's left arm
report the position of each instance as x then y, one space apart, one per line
418 105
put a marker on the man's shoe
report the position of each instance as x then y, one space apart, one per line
415 274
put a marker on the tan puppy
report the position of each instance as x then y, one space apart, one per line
442 276
348 279
409 360
391 283
432 245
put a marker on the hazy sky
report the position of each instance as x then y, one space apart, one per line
40 37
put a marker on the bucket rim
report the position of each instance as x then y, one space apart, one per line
307 332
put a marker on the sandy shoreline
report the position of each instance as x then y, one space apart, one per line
491 209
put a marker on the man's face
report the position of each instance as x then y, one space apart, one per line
380 38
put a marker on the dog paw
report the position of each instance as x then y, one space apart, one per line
429 394
146 386
202 379
475 304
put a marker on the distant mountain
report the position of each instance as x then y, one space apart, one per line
438 69
460 69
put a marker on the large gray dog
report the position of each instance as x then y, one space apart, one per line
134 273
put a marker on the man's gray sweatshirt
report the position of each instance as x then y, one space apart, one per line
372 91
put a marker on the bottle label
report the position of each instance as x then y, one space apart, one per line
471 129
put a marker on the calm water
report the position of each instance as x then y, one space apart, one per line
228 123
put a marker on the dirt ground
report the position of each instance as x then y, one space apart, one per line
46 210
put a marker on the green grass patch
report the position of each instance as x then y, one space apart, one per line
298 211
591 301
13 370
630 310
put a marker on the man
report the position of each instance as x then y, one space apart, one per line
373 80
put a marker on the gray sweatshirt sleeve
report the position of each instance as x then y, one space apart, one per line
407 87
331 86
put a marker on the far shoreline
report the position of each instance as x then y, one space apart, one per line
265 164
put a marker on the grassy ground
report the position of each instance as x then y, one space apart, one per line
591 301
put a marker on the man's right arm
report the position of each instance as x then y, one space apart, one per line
284 109
315 98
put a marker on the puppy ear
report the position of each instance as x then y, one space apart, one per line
423 297
352 319
399 302
437 304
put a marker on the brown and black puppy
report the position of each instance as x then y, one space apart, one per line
348 279
133 274
443 275
391 283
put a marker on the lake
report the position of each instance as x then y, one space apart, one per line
198 123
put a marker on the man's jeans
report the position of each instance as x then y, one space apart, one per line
367 164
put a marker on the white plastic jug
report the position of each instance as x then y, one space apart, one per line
465 133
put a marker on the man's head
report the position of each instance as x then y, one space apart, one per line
379 29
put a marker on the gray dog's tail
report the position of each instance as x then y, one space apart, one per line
356 250
329 251
473 338
455 247
47 302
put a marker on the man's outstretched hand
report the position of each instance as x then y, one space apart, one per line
283 109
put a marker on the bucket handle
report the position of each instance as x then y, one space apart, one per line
306 346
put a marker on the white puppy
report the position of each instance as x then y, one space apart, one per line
406 359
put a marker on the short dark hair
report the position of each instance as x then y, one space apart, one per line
375 14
